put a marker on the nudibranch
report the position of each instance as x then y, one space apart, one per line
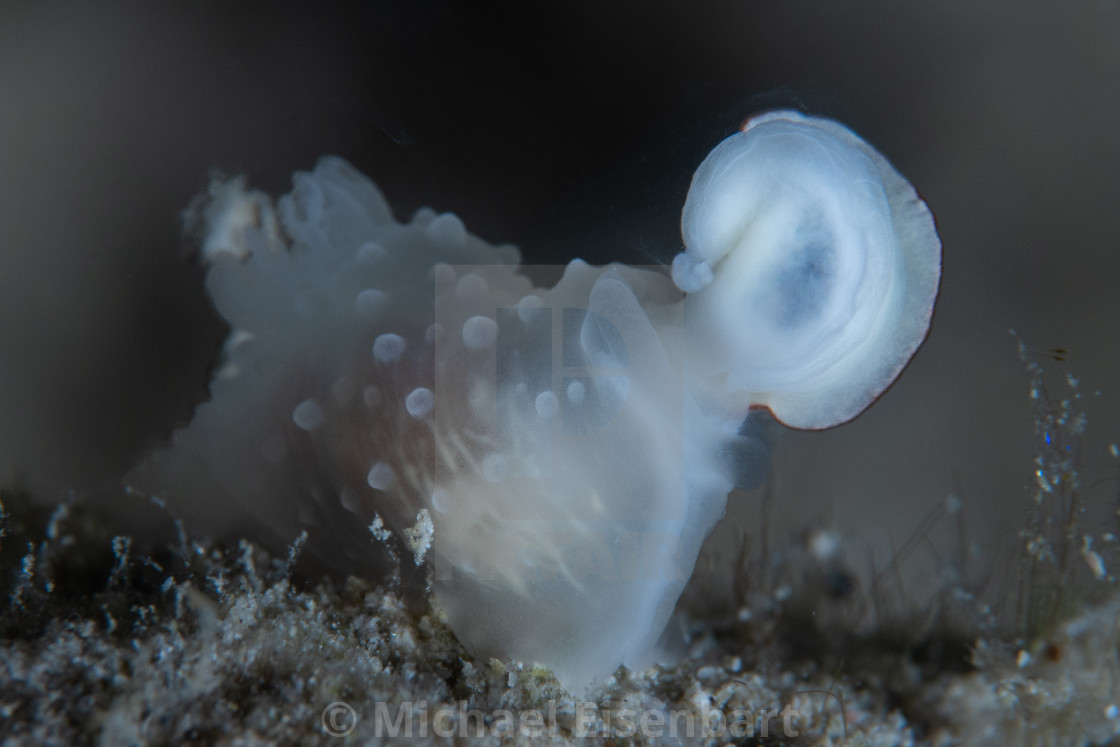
557 455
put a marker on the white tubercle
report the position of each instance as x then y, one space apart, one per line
381 476
308 415
419 402
388 347
479 332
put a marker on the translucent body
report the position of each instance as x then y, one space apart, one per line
562 452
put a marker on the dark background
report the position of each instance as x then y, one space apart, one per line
570 129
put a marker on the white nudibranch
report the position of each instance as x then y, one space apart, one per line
564 451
